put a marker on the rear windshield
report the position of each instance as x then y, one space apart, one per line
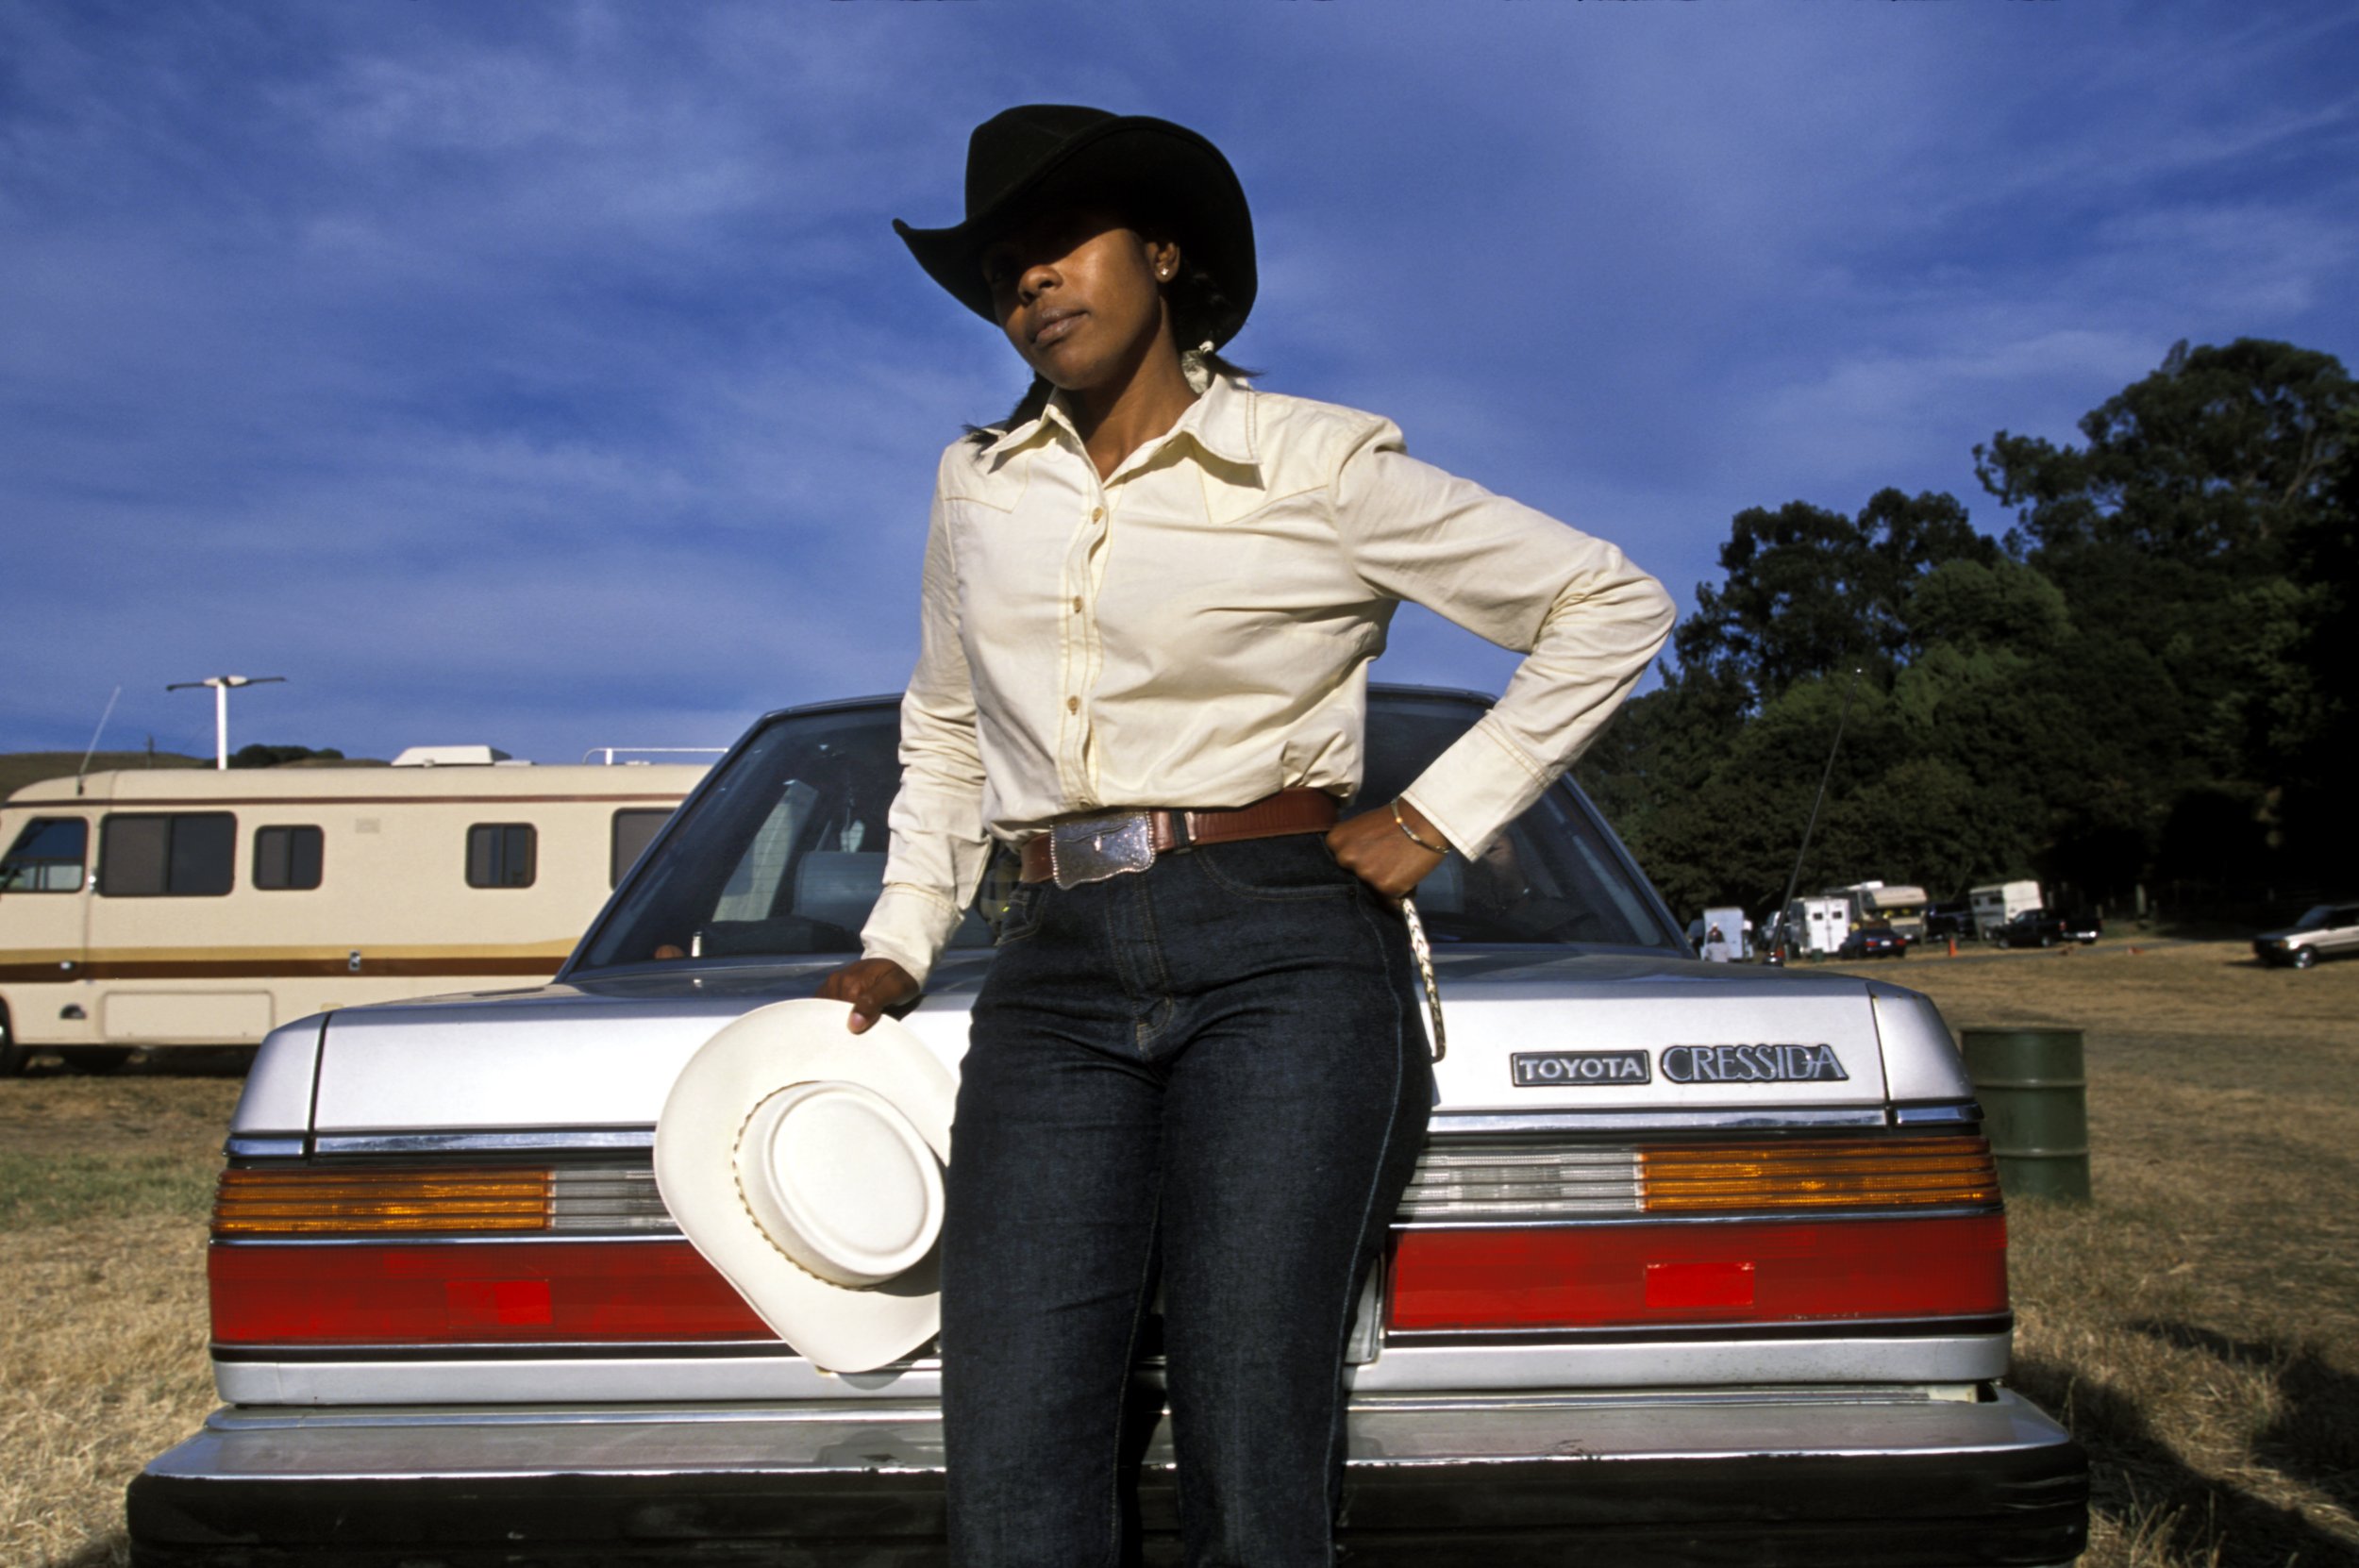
782 854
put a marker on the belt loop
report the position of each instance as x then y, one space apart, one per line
1183 831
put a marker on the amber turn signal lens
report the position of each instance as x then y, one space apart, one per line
370 1203
1845 1172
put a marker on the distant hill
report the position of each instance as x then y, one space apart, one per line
20 768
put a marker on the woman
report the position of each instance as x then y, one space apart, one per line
1150 600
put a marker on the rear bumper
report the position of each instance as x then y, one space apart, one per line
1648 1481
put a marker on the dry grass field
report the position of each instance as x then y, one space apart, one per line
2197 1325
104 1187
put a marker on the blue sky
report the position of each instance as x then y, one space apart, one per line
549 376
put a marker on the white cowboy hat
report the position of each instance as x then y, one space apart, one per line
804 1161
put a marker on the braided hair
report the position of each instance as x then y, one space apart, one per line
1200 313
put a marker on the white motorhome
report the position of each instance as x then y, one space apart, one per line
1997 903
1898 905
184 908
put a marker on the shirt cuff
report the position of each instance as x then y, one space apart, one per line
1475 788
910 927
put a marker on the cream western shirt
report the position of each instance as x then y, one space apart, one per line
1196 631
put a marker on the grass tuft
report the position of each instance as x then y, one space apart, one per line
82 1189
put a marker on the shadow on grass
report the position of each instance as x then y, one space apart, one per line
2317 1439
2142 1484
177 1062
105 1553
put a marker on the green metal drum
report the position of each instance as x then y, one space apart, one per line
2034 1094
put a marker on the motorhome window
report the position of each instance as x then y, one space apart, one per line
175 855
634 829
500 853
47 856
287 858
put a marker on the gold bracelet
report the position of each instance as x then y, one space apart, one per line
1402 823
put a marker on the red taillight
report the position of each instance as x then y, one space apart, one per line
425 1293
1751 1272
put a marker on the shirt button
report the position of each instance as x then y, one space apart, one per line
1077 603
1073 705
1097 514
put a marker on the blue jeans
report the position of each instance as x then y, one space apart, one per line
1215 1067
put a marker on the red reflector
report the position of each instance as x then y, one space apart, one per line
424 1293
1590 1276
479 1303
1699 1285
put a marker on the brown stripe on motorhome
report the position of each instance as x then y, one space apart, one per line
252 965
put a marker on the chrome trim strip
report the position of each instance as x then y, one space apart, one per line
1638 1333
1679 1217
686 1380
1445 1124
1745 1118
451 1239
281 1355
1955 1113
526 1141
232 1418
1758 1216
252 1146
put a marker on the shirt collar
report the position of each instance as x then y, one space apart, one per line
1220 422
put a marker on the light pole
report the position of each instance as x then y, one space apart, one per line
221 685
1811 827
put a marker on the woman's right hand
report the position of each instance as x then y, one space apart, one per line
871 985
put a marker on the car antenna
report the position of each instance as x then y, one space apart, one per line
92 750
1811 827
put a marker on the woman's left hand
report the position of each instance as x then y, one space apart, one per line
1372 847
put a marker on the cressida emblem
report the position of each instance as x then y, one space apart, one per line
1765 1064
1784 1062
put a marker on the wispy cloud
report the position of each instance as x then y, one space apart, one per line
546 373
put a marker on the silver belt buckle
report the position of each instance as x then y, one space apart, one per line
1094 849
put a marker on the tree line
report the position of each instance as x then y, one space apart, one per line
2143 684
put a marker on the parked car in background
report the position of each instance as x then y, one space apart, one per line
1700 1261
2324 931
1874 941
1943 921
1996 903
2047 928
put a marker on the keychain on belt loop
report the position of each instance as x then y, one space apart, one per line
1423 950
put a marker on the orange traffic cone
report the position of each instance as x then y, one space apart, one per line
1954 947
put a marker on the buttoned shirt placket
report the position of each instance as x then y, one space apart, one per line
1084 570
1084 576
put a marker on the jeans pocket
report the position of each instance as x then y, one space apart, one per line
1295 866
1023 917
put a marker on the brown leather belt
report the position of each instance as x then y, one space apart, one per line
1304 811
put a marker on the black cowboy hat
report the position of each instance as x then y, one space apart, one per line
1040 156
